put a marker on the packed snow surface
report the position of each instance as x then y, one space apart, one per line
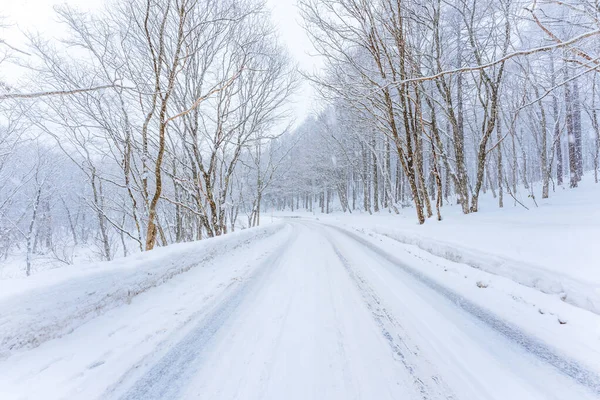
552 246
299 310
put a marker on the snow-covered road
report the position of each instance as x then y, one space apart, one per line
322 314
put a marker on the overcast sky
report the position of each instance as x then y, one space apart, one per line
28 15
287 19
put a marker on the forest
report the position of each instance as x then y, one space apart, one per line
151 122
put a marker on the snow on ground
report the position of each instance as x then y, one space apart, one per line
343 307
15 262
54 302
311 312
553 247
67 254
497 301
464 327
97 352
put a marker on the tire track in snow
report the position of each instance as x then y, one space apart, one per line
170 375
29 319
566 366
429 386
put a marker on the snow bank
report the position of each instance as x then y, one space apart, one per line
552 247
55 302
570 290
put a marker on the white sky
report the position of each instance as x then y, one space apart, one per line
38 15
287 19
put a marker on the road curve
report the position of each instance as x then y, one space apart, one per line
331 316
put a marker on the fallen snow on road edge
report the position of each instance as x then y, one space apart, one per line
35 310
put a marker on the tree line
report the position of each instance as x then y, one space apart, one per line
435 101
155 122
140 126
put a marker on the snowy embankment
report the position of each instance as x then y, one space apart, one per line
580 293
53 303
552 247
557 333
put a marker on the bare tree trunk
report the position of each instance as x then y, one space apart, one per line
515 176
375 178
596 126
490 181
354 183
365 179
70 220
398 185
573 172
462 185
99 206
387 194
122 235
556 121
164 93
36 204
544 151
419 156
524 158
577 130
438 181
322 201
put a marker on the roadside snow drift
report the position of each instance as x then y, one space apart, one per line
552 247
53 303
